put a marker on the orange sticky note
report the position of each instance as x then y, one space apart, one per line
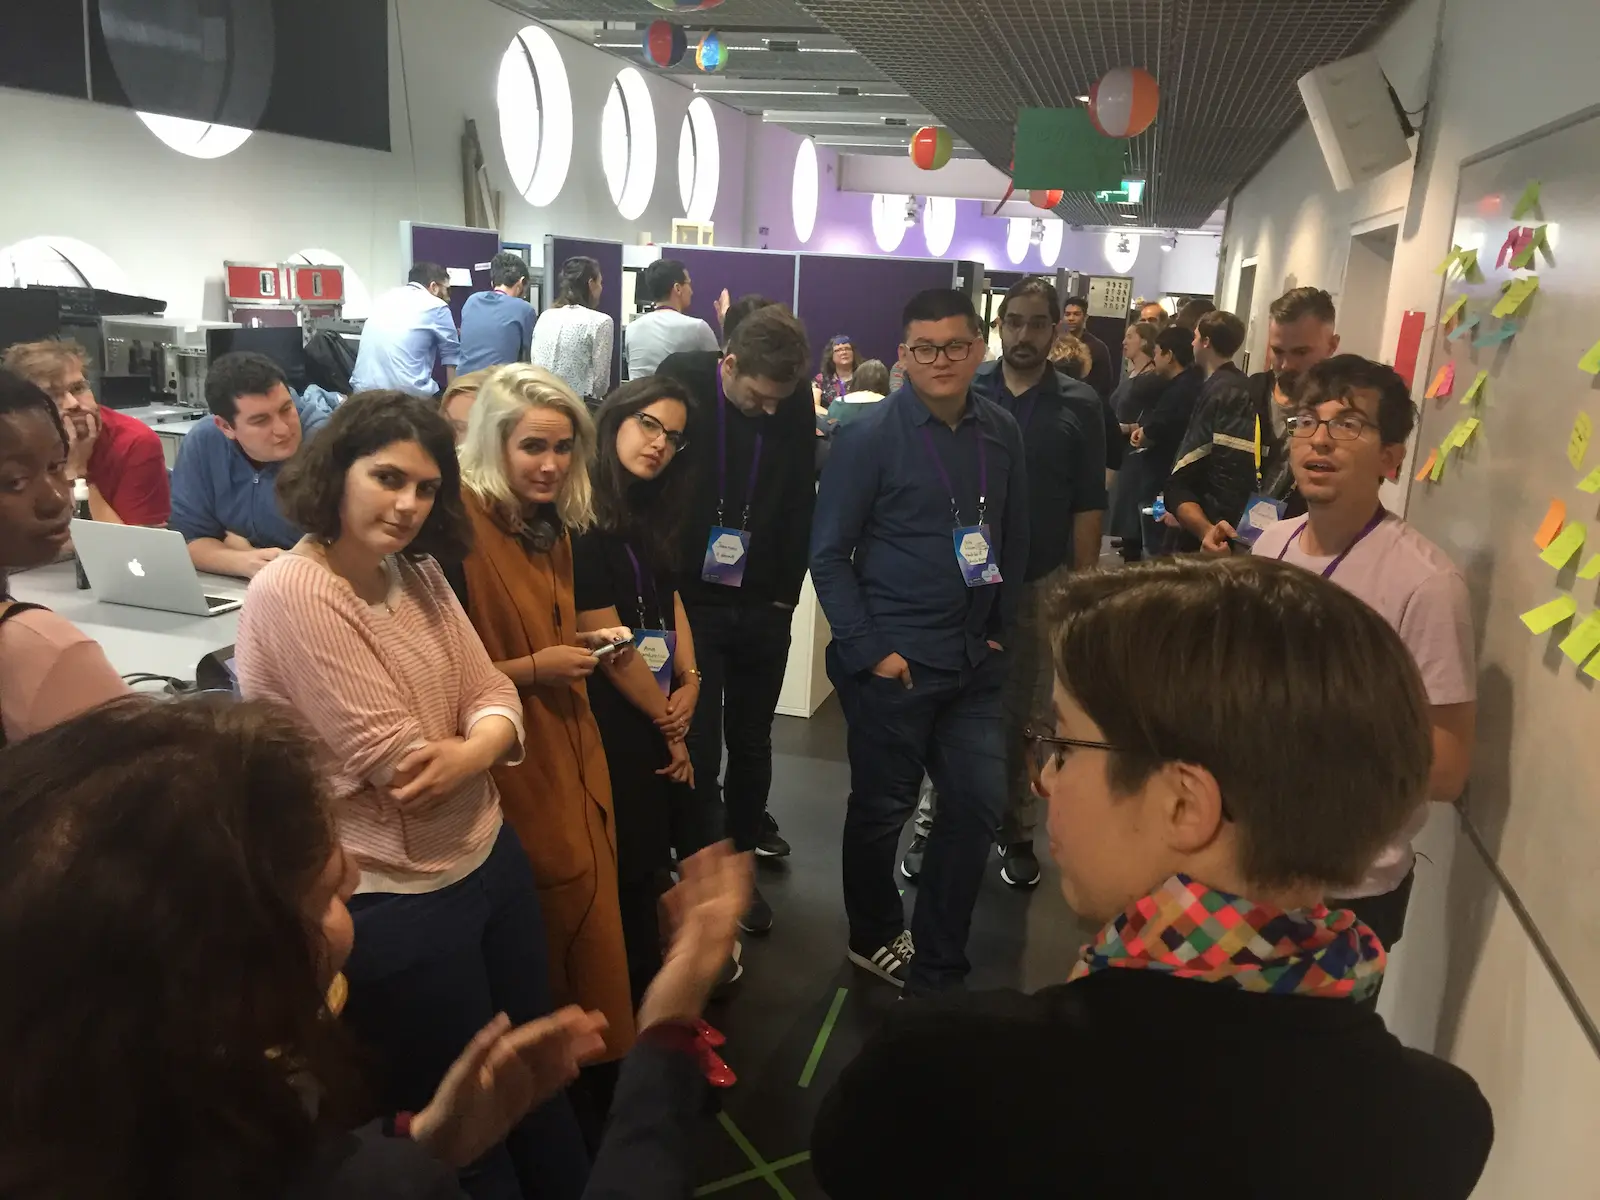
1427 467
1443 383
1553 521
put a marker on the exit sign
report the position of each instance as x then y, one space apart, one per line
1131 192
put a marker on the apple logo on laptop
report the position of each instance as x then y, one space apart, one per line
135 568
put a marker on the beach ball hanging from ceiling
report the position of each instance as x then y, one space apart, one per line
665 44
685 5
1123 103
930 147
1042 198
712 52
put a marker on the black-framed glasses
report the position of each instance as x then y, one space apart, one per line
654 429
927 354
1342 427
1042 747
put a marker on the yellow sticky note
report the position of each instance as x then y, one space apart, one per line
1451 313
1567 543
1591 482
1547 616
1469 266
1584 639
1450 260
1593 669
1591 569
1476 389
1443 453
1529 201
1590 362
1515 295
1468 428
1578 443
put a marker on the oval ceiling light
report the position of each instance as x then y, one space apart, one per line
197 139
699 161
939 224
1122 251
535 106
1018 230
60 262
889 221
628 143
806 193
1050 248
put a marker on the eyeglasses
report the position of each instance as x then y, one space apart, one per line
928 354
1017 324
1345 427
1046 749
654 429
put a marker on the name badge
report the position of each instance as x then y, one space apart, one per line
726 552
975 555
656 647
1261 513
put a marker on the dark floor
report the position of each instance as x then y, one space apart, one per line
797 975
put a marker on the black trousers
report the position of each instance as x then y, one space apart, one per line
1385 915
741 651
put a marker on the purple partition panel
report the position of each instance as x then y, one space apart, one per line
558 249
862 298
768 273
452 247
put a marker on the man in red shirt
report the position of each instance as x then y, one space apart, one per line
120 456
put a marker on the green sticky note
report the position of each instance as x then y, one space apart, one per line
1515 294
1547 616
1590 362
1454 309
1468 428
1524 257
1593 669
1476 389
1060 148
1583 640
1529 201
1591 482
1437 473
1469 266
1591 569
1567 543
1450 260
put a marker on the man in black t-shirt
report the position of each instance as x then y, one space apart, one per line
1102 374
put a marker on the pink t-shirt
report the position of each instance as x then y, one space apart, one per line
1414 586
50 672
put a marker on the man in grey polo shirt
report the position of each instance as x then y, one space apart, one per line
665 328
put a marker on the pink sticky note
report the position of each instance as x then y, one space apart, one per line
1443 383
1516 242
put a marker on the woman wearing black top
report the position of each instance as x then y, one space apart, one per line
643 702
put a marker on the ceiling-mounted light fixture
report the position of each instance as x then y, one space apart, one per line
1081 99
1036 233
1122 244
913 211
1170 242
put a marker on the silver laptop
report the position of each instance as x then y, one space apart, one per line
145 568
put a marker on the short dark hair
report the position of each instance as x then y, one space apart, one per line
938 304
649 514
311 485
1178 342
1223 330
870 376
661 276
577 273
1075 302
740 309
771 344
1191 312
1033 285
19 395
155 864
428 274
1340 377
242 373
506 269
1348 759
1302 302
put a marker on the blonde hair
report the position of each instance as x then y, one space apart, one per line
470 382
1071 356
504 398
43 363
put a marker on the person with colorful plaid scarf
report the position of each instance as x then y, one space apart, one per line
1232 741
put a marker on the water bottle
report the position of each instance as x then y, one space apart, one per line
80 509
1158 508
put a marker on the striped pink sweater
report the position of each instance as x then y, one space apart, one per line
371 682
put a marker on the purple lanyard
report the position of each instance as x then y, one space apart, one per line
1377 519
722 461
944 475
638 587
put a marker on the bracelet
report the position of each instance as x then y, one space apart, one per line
687 671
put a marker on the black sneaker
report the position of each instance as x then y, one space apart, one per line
771 843
1020 866
732 972
758 917
889 963
911 864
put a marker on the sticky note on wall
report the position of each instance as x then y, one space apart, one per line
1529 201
1426 468
1591 569
1444 381
1476 390
1590 362
1547 616
1567 543
1551 525
1578 442
1584 639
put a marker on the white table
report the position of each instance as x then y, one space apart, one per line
135 639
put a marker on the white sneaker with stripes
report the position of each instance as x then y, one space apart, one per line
889 963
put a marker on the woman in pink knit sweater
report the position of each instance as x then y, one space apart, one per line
357 630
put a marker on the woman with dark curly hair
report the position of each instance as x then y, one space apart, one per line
356 629
623 575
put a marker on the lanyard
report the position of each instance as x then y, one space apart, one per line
944 475
1258 452
722 461
638 587
1377 519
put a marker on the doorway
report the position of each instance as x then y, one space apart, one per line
1365 299
1244 299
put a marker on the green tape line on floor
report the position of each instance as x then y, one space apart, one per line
823 1035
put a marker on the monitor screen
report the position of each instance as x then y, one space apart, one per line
284 346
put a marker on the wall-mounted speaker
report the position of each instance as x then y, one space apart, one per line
1358 121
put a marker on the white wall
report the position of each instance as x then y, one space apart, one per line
1191 265
91 172
1467 982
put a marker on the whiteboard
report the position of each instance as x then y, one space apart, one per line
1534 799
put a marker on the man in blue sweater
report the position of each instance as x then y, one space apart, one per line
497 325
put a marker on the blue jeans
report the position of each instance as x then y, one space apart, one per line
949 725
428 972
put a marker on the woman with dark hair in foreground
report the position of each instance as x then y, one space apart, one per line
172 913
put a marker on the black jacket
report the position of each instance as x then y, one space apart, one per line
785 493
1102 376
1216 463
1138 1085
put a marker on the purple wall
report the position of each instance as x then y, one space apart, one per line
742 272
862 298
463 249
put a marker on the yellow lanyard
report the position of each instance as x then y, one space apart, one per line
1258 452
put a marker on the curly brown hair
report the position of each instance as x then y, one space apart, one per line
311 486
165 1021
